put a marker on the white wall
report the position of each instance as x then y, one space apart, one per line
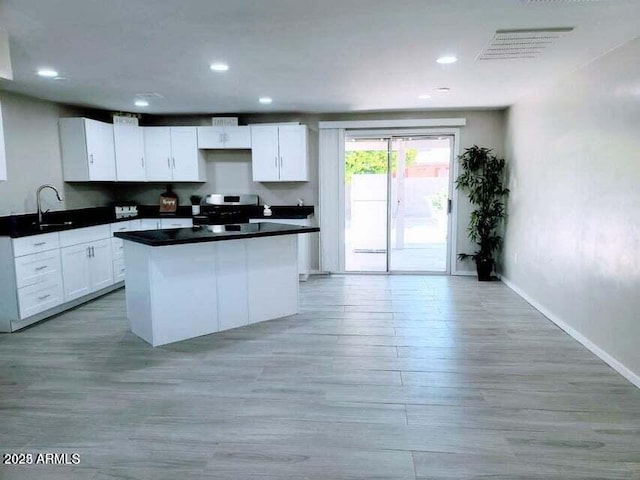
32 148
573 231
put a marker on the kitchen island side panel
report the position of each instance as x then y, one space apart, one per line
272 265
138 290
183 291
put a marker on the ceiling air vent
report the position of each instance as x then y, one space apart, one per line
519 44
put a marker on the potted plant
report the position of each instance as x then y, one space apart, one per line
482 178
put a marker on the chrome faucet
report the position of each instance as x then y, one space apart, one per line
40 188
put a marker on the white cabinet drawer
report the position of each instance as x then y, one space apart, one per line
175 223
123 226
84 235
149 223
118 269
117 248
35 243
39 297
38 268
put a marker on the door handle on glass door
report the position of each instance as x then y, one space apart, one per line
449 205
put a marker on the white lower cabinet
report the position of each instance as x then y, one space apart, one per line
39 282
118 269
87 262
86 268
75 265
39 297
304 248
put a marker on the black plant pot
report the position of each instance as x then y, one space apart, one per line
484 266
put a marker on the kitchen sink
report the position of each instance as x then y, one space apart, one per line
49 226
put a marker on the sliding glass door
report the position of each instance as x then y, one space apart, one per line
366 178
397 192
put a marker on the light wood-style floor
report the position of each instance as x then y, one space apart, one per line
379 377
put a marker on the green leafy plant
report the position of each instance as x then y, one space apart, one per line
482 178
373 161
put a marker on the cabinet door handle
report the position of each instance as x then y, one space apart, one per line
44 296
39 244
280 162
89 252
93 252
275 161
91 158
174 161
142 161
168 162
41 268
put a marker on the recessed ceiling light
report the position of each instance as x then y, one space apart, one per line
447 59
219 67
47 72
265 100
141 103
443 89
424 97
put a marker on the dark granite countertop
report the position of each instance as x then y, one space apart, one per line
16 226
212 233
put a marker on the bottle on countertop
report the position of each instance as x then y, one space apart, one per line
267 211
301 202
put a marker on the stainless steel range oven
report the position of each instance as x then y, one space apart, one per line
223 209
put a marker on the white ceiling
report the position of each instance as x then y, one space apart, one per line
309 55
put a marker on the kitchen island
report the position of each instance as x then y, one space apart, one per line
187 282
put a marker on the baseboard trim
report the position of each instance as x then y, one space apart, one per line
465 273
596 350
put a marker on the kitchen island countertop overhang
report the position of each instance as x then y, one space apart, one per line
208 279
212 233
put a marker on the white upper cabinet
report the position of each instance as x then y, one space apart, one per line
279 153
88 152
187 163
265 161
171 154
294 156
224 137
129 148
157 153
